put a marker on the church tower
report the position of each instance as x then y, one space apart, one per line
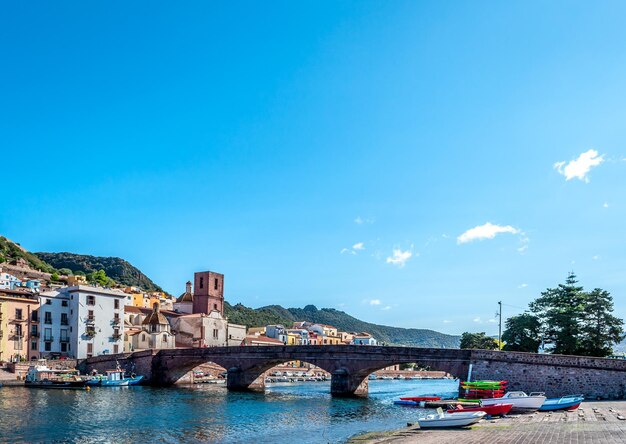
208 292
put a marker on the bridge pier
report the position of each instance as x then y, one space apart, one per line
238 380
345 384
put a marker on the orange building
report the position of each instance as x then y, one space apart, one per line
19 326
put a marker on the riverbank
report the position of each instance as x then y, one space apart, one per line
596 421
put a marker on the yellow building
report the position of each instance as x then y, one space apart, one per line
3 328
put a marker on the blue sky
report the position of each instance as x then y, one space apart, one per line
327 153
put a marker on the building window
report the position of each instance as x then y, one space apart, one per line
63 303
116 349
18 313
47 346
33 331
47 317
33 346
64 320
153 328
165 338
90 315
215 307
34 316
201 282
48 301
215 333
143 337
47 334
215 284
64 336
116 304
91 300
89 350
64 347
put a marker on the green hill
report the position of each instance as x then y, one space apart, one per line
117 269
11 251
275 314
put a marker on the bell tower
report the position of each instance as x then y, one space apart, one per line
208 292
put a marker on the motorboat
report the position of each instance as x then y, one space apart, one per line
114 378
569 402
42 376
491 410
520 400
441 419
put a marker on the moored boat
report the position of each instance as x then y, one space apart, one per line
520 400
42 376
114 378
421 398
441 419
491 410
569 402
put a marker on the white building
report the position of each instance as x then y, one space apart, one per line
147 330
8 281
206 330
81 322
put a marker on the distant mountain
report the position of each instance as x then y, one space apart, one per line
275 314
12 252
117 269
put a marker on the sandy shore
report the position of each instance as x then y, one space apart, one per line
594 422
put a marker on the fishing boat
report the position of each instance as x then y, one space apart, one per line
491 410
520 400
114 378
42 376
569 402
440 420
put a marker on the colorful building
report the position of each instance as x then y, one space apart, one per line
19 320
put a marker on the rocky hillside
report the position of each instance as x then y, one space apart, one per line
11 252
117 269
275 314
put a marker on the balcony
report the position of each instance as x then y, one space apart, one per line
116 321
34 334
16 337
17 320
90 333
116 336
64 339
90 320
64 322
48 339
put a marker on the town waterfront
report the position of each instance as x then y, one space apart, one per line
207 413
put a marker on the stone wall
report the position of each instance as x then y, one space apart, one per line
556 375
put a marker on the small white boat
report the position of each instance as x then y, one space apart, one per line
520 400
441 419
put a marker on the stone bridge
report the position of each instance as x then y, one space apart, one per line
350 365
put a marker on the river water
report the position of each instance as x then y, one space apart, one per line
299 412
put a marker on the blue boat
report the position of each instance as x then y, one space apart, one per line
569 402
114 378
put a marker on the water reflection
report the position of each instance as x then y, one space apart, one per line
304 412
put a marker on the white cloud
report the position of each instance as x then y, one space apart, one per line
522 286
445 321
606 205
375 302
596 257
347 250
477 319
360 221
492 321
579 167
399 257
486 231
358 246
386 307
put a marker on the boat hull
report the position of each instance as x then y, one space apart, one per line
64 385
520 405
553 404
492 410
450 420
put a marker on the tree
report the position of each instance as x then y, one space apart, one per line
560 311
575 322
478 340
54 277
600 329
522 333
100 278
65 271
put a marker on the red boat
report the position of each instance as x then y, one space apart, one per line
493 410
422 398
